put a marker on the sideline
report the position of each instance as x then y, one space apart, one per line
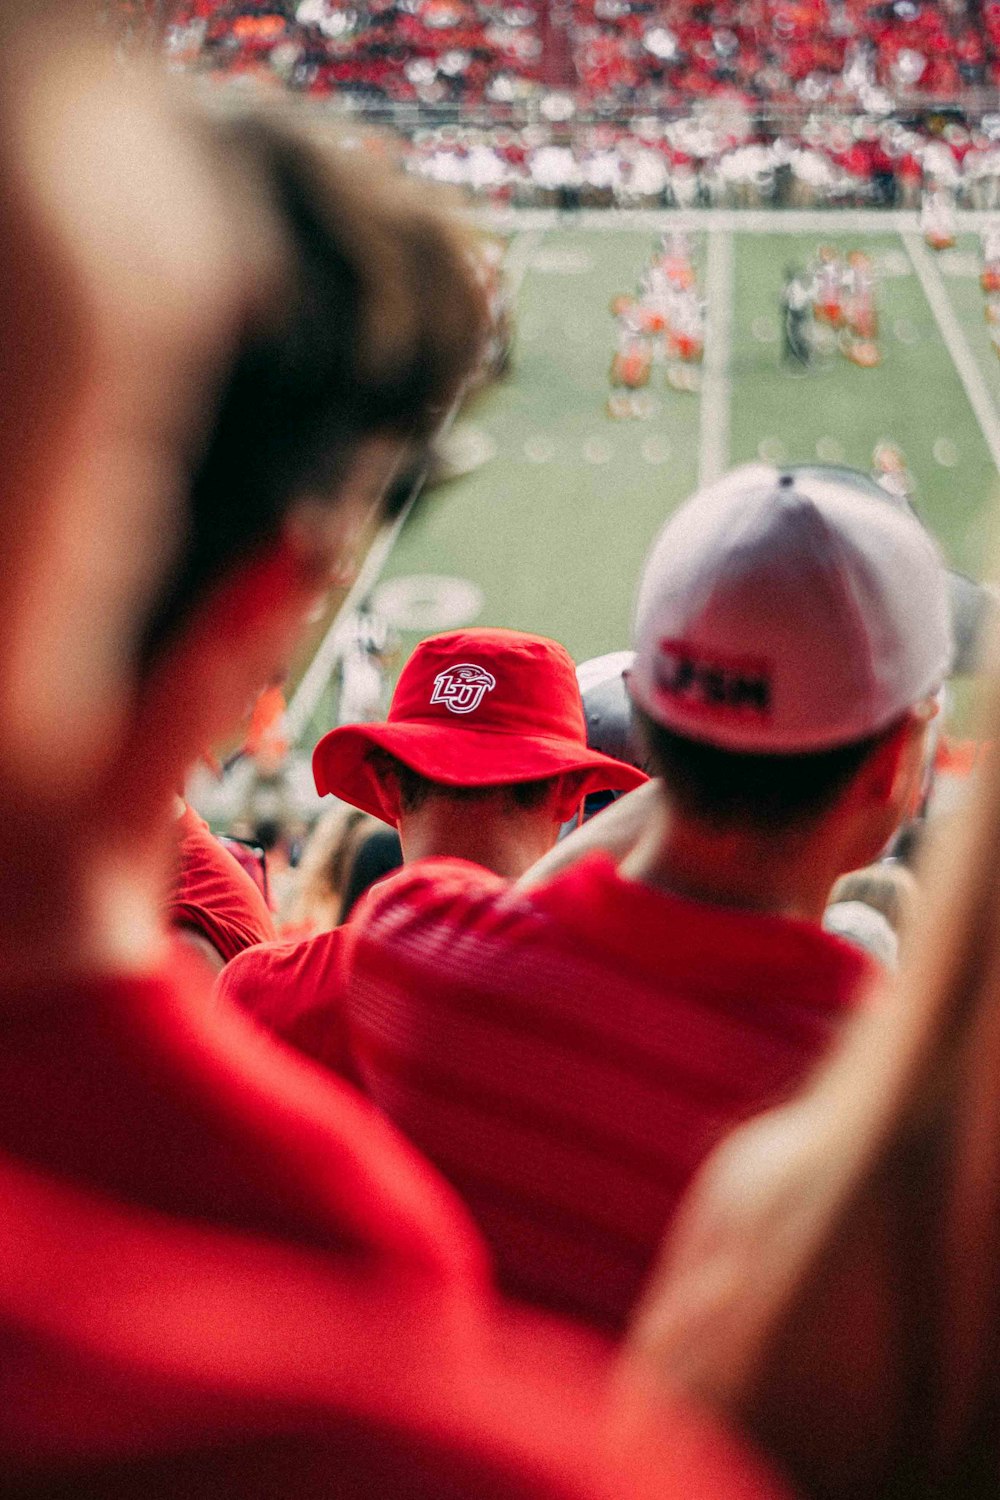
956 343
716 383
313 682
820 221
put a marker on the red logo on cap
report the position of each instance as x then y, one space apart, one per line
733 684
462 688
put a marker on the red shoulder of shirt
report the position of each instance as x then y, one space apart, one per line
294 990
643 929
452 892
148 1356
213 894
140 1087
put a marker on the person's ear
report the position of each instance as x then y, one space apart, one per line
911 763
889 763
391 795
886 791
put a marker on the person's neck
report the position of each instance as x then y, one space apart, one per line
508 844
777 876
78 907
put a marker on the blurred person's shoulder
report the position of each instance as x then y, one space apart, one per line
261 980
441 901
292 988
213 893
155 1357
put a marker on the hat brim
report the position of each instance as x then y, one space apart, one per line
455 756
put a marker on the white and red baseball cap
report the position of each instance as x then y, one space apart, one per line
787 610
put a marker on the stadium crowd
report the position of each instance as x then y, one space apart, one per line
627 102
475 51
379 1210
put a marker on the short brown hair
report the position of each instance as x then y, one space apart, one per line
377 322
727 788
414 789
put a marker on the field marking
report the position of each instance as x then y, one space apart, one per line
956 343
313 682
821 221
716 385
519 257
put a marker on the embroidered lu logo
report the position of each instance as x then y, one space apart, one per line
462 688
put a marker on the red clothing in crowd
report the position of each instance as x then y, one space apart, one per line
567 1056
145 1358
291 989
140 1089
213 894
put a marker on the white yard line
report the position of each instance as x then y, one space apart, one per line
312 684
822 221
956 343
519 257
716 385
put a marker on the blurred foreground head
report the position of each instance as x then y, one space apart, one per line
375 324
218 342
121 295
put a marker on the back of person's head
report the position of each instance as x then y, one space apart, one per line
791 627
611 722
833 1279
377 854
476 713
412 791
369 334
889 888
104 374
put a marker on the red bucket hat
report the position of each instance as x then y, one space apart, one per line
473 708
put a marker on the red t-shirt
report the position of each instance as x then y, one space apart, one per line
569 1055
141 1088
145 1358
291 988
213 893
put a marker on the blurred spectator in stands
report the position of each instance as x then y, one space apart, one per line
888 890
833 1279
483 757
316 899
858 923
569 1053
215 906
251 858
267 735
873 908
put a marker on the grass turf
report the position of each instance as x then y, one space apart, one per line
553 527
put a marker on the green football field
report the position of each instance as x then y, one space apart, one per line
552 527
